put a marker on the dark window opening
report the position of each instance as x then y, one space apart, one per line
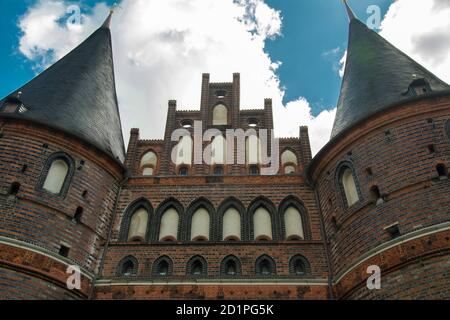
24 168
218 170
183 172
78 215
231 268
418 87
14 189
221 94
84 194
187 124
442 171
265 267
252 122
127 268
163 268
254 170
393 231
299 268
45 146
376 195
369 171
197 268
64 251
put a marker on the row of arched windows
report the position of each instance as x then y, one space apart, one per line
201 222
149 161
230 266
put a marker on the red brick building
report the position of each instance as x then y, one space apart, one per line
154 222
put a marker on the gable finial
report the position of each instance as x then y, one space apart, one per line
350 13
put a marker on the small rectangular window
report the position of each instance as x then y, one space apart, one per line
64 251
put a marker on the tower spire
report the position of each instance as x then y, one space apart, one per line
350 13
107 23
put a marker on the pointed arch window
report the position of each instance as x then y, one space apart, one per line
265 266
299 266
293 224
262 224
197 267
163 267
169 225
200 225
220 115
230 266
127 267
138 226
231 225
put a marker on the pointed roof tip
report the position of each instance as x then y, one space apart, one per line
107 23
350 13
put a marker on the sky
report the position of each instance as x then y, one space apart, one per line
292 51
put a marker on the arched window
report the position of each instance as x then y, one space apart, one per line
230 266
163 267
148 163
262 224
231 225
220 115
299 266
56 176
197 267
348 184
127 267
289 162
184 151
293 224
169 225
218 150
265 266
200 225
138 226
252 144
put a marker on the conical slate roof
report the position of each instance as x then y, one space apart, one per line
77 95
377 75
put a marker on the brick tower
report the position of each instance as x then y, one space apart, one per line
382 182
60 169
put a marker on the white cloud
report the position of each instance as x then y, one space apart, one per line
161 48
342 64
422 30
